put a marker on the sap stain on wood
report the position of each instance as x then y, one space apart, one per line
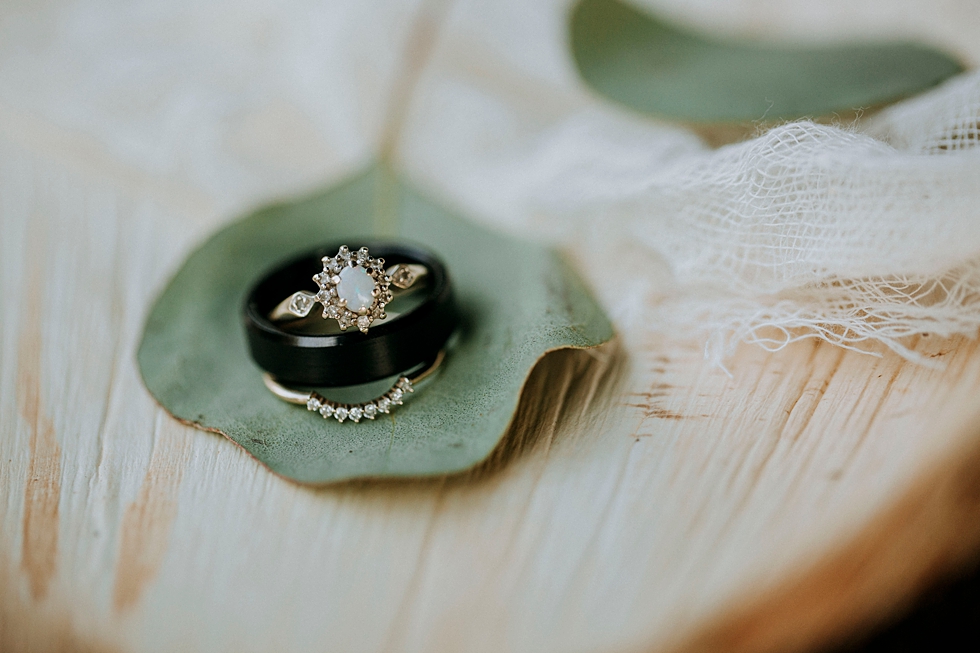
39 556
148 520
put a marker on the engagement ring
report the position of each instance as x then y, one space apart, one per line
354 289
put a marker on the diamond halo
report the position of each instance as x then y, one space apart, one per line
354 288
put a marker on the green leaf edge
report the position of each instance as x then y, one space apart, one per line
592 20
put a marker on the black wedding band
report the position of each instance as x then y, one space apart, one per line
349 358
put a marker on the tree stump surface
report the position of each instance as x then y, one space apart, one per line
643 500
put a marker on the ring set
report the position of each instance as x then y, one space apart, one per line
388 310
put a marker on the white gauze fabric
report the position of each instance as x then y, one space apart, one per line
858 234
807 230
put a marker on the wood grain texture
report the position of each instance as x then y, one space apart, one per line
146 524
43 490
643 500
860 583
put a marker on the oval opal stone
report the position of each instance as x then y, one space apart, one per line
355 286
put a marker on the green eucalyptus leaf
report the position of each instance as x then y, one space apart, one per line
519 301
648 65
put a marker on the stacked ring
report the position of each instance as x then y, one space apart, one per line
355 289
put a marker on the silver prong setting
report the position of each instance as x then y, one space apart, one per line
301 303
330 281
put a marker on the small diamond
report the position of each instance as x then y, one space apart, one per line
333 266
396 395
344 254
405 385
313 404
356 414
301 304
403 276
362 254
333 311
363 322
340 414
370 411
326 410
384 404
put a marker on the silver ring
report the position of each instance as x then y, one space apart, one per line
383 404
354 289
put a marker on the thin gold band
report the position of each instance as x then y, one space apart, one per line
355 412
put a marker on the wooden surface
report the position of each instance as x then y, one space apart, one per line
646 499
643 501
